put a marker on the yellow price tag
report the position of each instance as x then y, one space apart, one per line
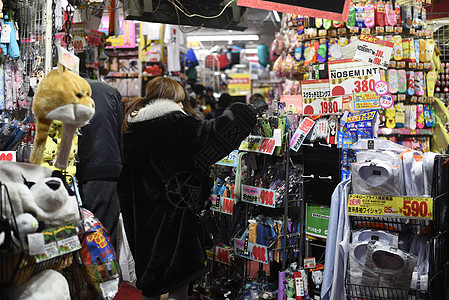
391 207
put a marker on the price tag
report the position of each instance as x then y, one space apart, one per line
366 31
379 29
94 37
401 97
401 64
260 196
349 76
227 205
277 135
317 100
36 243
341 31
412 31
389 29
258 144
392 64
420 66
223 255
6 34
322 32
332 32
258 253
398 29
68 60
8 155
381 88
309 263
412 65
79 43
374 51
391 207
386 101
301 133
354 30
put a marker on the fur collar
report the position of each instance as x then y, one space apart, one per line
155 109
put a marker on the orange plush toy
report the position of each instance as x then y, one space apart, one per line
65 96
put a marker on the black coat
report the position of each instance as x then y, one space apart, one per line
99 145
164 239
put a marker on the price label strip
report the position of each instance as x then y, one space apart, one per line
258 253
391 207
374 51
349 76
223 255
260 196
258 144
317 100
227 205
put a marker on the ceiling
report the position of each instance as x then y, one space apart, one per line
260 22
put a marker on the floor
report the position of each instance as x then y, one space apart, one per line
128 292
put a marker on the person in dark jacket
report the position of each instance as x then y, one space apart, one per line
161 142
99 156
224 102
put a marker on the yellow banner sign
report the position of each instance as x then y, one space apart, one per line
391 207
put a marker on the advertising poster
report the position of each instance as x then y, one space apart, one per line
240 84
317 100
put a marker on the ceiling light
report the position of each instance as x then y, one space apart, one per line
276 16
235 37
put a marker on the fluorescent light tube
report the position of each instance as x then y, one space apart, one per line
211 38
276 16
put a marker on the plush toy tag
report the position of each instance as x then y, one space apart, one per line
6 34
36 243
68 60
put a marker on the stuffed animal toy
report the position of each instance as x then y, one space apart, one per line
39 191
62 95
48 284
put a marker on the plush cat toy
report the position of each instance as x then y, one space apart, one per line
62 95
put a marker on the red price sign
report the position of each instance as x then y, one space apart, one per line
266 198
414 208
8 155
222 255
386 101
366 85
258 253
227 205
94 37
267 146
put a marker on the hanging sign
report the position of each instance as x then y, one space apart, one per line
337 10
230 160
317 100
391 207
374 51
227 205
259 144
317 220
79 43
223 255
68 60
301 133
258 195
258 253
94 38
349 76
240 84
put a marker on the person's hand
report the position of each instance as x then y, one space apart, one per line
259 104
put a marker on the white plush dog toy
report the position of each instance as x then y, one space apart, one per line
40 191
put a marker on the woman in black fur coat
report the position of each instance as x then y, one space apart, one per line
161 141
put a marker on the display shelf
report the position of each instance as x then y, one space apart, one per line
405 131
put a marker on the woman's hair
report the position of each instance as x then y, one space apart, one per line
157 89
188 107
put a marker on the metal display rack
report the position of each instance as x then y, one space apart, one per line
438 275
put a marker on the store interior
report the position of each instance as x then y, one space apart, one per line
340 192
